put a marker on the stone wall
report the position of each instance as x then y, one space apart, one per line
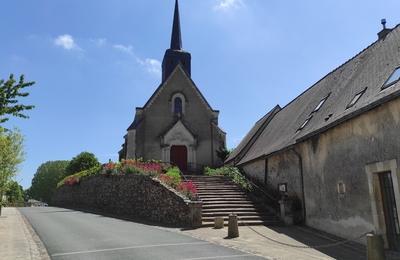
340 156
132 196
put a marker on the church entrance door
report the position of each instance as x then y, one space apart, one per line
179 156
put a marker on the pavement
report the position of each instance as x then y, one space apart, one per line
70 234
283 243
17 238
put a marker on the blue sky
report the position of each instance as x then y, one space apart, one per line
94 61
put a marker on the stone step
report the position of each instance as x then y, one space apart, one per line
205 177
249 223
239 213
221 191
209 193
222 200
210 184
211 180
228 206
202 189
230 210
241 218
222 197
219 187
234 192
219 196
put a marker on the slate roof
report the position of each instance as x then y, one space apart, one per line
136 122
253 134
369 69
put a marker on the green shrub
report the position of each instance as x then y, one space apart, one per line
233 173
81 175
131 170
175 175
82 162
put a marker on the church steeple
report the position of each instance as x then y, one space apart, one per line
176 38
176 55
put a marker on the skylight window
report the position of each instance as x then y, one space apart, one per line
395 77
356 98
304 124
320 104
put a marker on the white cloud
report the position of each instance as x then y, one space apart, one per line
67 42
124 48
152 66
226 5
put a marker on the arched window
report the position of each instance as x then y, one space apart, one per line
178 105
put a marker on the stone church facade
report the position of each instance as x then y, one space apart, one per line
337 146
177 124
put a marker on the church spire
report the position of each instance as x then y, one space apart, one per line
176 55
176 38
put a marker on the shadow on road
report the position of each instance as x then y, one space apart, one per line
324 242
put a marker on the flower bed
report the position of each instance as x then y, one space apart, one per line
169 176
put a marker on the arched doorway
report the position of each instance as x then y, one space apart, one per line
179 156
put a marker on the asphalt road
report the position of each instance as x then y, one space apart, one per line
69 234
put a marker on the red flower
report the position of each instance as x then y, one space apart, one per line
188 188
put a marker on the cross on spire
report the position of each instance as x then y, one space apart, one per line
176 38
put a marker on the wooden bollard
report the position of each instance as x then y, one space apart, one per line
218 222
375 249
233 229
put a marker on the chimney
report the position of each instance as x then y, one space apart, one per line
385 31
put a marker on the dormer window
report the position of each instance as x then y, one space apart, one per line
178 104
320 104
356 98
304 124
394 77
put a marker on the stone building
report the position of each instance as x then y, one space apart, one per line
337 145
177 124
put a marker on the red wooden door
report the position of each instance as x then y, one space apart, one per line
179 156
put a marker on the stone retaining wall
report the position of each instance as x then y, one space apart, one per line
133 196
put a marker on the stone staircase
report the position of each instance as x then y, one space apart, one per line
222 197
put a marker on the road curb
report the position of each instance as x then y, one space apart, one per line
35 240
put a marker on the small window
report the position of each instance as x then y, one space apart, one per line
320 104
394 77
178 105
356 98
305 123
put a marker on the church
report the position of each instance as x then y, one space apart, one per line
177 124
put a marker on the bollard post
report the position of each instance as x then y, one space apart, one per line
375 249
233 229
218 222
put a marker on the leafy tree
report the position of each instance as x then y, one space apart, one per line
83 161
10 91
14 193
11 155
45 180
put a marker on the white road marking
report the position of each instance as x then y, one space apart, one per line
126 248
218 257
